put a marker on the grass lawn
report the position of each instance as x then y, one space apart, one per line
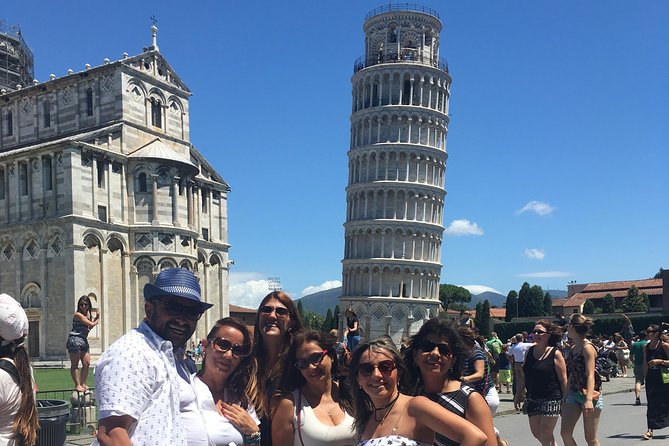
58 379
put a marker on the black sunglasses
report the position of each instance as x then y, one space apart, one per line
385 367
280 311
223 345
313 359
427 346
175 309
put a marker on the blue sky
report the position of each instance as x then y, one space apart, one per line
558 142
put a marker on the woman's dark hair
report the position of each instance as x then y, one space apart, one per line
581 324
554 332
271 372
87 300
363 408
237 384
292 378
26 423
434 330
468 337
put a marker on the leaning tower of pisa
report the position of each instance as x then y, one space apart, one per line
397 160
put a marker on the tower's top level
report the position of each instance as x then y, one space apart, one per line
16 58
405 32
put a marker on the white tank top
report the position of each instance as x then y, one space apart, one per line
315 433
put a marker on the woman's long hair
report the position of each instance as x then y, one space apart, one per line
237 384
554 332
581 324
268 374
26 423
363 408
436 330
292 378
87 300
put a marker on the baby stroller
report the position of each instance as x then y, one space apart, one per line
606 365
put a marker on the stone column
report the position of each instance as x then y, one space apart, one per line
154 199
175 201
94 186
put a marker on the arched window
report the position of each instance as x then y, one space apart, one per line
141 182
47 114
89 102
156 113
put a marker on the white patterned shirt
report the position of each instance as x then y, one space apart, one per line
137 376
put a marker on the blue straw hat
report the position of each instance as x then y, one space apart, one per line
177 282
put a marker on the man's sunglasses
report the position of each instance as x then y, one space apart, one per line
280 311
312 359
385 367
223 345
427 346
175 309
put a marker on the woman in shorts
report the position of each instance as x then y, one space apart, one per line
77 342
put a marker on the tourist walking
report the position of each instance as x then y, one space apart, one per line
77 342
583 396
222 384
504 369
517 353
546 382
277 321
656 357
141 387
386 416
352 330
434 358
18 414
494 346
636 352
476 370
622 353
312 408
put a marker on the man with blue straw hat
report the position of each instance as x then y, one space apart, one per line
137 379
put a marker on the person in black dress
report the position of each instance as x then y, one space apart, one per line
655 355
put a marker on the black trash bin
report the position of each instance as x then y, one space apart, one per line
53 415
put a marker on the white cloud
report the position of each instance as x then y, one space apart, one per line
534 253
546 274
463 227
478 289
538 207
327 285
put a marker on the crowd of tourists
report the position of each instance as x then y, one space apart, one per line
285 385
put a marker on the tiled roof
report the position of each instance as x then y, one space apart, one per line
497 313
236 309
652 287
558 302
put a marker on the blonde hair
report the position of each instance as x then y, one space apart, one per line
581 324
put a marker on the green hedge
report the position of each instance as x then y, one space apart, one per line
607 324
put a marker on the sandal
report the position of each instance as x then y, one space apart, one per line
648 435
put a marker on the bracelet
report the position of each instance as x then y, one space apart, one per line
254 438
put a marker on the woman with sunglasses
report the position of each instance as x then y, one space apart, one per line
277 320
581 384
312 409
221 386
77 342
656 355
434 357
545 382
386 416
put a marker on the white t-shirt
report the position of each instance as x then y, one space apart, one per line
315 433
10 401
519 350
221 431
196 430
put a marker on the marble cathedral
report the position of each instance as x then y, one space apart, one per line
100 189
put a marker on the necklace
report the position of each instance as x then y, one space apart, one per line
388 406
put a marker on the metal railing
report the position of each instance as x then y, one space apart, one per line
83 408
401 7
405 57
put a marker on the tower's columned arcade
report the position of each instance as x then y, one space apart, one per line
397 163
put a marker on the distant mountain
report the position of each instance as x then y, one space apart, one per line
320 302
557 294
495 299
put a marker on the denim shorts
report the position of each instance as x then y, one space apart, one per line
578 398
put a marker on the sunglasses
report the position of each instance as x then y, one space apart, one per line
223 345
385 367
175 309
538 332
427 346
312 359
280 311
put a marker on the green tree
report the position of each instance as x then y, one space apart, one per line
327 323
608 304
313 321
511 305
524 301
485 319
300 309
478 318
646 301
633 302
658 275
449 294
588 307
536 301
548 304
335 319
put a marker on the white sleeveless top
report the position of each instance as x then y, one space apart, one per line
315 433
392 440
